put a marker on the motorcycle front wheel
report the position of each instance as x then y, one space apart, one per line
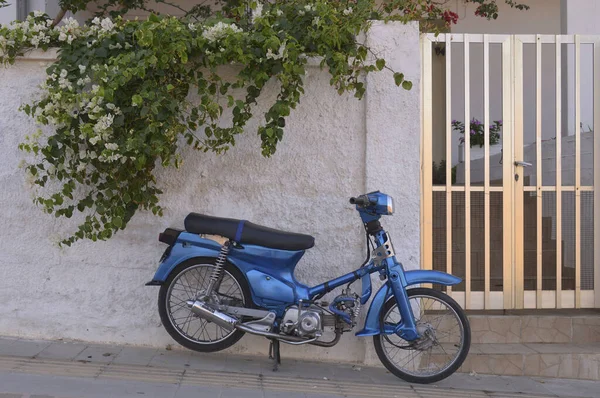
188 281
444 343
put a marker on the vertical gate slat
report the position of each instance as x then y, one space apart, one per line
577 172
596 172
486 168
449 157
426 156
558 175
538 143
514 191
467 145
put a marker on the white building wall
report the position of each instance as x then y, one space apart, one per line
334 147
8 13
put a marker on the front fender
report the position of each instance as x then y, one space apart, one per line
372 325
187 246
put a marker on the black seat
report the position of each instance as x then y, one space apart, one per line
246 232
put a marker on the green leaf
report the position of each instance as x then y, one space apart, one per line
398 78
407 85
380 63
117 222
101 52
137 100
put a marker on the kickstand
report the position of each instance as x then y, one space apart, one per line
275 354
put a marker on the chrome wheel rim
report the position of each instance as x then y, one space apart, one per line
436 352
189 284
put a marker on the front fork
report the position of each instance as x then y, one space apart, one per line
407 328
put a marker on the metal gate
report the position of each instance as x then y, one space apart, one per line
511 208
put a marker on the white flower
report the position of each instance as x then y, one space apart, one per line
107 25
192 27
96 21
348 11
38 13
111 146
95 89
257 13
309 7
82 69
316 21
63 73
103 123
301 12
62 36
92 155
81 167
94 140
71 23
280 53
64 83
279 13
219 31
51 169
110 106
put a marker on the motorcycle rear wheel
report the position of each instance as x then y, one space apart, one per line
185 283
428 360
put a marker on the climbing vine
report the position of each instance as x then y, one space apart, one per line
122 93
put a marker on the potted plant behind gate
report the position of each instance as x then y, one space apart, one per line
476 134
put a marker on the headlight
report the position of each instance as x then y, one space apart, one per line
390 205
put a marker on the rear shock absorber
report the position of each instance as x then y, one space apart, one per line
217 272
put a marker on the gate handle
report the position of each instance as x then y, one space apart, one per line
523 164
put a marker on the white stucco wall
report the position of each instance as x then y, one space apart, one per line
334 147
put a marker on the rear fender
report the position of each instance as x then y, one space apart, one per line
185 247
372 325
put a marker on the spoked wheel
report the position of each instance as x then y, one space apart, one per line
188 281
443 347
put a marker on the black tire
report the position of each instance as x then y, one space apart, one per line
460 358
227 342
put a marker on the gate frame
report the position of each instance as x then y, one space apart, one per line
513 295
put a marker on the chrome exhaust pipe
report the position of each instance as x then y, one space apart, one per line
204 311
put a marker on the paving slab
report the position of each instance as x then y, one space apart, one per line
99 353
62 350
23 348
135 355
169 359
570 388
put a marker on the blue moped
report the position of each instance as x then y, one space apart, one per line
221 278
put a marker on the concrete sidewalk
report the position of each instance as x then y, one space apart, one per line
180 372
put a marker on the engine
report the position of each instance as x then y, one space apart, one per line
309 323
314 320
